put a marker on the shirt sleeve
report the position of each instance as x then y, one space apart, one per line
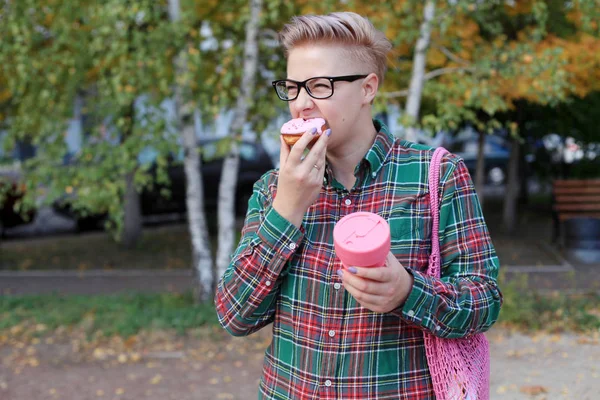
246 294
466 298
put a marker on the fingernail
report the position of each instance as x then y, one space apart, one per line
352 270
328 132
313 130
340 273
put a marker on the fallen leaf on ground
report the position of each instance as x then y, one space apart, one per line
533 390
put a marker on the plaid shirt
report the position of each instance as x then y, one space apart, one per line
325 345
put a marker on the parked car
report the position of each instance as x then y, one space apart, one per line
254 162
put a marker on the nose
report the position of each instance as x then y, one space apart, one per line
302 103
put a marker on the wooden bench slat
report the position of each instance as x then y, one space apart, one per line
565 216
578 199
577 207
577 183
586 190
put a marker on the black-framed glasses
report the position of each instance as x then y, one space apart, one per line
319 87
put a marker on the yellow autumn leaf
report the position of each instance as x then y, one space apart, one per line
156 379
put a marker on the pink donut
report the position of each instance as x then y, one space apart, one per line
295 128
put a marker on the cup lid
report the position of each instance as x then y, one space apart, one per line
362 238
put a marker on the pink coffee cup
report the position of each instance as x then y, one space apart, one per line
362 239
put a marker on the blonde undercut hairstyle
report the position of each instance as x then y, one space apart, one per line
364 42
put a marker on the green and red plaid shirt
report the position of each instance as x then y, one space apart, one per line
325 345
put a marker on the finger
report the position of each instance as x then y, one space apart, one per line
284 152
377 274
298 149
367 300
362 285
318 152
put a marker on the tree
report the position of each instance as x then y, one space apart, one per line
118 57
228 182
201 253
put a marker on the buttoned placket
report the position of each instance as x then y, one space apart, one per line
332 331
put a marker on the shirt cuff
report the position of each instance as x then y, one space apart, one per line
417 307
280 234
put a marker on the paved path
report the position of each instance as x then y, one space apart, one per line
549 367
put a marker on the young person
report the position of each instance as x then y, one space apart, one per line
353 333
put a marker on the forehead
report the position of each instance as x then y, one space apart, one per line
310 60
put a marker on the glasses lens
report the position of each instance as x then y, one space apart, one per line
319 88
286 90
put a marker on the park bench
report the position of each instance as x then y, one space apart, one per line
576 210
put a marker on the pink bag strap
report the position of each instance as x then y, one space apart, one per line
434 204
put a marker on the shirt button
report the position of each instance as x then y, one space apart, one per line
374 174
327 383
268 283
348 202
337 286
331 333
411 313
437 328
293 246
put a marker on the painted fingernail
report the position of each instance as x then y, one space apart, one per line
340 273
328 132
352 270
313 130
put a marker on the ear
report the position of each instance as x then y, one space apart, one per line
370 87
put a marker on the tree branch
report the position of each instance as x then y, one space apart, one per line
451 55
428 76
447 70
398 93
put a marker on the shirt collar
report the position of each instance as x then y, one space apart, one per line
384 141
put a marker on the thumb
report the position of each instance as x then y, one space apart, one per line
284 152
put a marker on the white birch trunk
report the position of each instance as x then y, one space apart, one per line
201 253
227 186
415 90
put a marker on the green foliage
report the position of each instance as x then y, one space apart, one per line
108 315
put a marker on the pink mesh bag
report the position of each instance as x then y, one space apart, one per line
460 368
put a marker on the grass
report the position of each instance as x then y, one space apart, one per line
107 315
127 315
530 311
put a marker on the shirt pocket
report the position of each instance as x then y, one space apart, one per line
409 219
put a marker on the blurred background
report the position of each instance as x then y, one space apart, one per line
132 132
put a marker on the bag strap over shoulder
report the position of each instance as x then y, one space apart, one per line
434 204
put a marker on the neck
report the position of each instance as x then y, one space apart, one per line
344 158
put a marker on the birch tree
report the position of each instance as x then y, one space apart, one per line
415 91
201 253
229 175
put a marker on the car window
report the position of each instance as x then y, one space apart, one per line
147 156
209 151
248 152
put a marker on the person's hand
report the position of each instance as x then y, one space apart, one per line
380 289
300 178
